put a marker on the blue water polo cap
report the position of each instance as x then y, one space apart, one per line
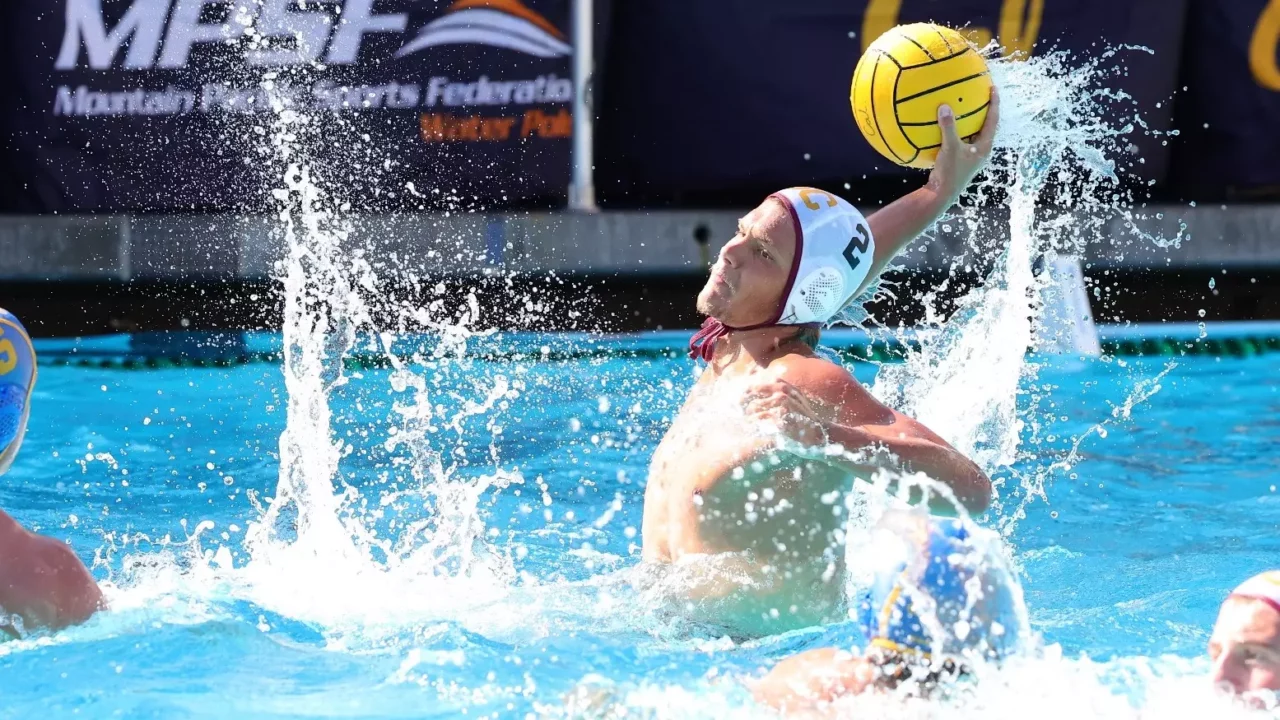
17 378
940 592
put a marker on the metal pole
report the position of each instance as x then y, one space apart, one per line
582 190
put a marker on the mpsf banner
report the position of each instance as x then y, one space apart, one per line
168 104
760 95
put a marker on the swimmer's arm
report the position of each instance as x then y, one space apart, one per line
917 452
850 417
42 580
898 223
811 678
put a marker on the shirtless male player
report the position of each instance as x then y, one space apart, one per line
750 528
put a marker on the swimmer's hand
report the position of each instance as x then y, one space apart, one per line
959 161
813 678
781 404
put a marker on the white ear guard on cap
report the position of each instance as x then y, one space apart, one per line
834 250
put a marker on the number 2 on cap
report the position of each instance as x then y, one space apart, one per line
857 246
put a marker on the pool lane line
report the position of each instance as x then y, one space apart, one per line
1129 345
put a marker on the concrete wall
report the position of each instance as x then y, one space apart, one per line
228 247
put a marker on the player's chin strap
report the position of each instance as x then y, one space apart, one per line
703 343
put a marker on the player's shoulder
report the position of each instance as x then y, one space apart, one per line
816 373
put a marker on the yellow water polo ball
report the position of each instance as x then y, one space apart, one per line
901 80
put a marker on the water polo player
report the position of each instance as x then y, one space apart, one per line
718 486
942 602
42 582
1245 646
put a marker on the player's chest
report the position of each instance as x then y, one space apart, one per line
704 439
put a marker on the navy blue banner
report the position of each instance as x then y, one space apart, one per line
173 105
699 102
1229 116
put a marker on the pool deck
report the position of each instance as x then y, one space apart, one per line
126 247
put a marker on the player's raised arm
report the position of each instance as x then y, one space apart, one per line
900 222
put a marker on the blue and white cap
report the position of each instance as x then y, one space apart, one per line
17 379
940 592
834 254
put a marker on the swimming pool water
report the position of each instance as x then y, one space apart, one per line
1123 566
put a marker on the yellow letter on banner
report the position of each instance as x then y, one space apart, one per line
1019 27
1262 47
8 356
880 17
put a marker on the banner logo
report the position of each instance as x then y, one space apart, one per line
308 35
161 34
1019 25
498 23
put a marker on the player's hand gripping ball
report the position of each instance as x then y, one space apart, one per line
902 79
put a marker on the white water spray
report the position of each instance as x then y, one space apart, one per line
316 553
1052 158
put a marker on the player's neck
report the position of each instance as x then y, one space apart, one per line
759 346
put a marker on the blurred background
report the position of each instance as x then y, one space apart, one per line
585 156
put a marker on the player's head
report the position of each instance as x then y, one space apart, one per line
796 259
1245 646
941 593
751 272
17 378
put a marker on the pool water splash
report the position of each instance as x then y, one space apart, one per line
1144 386
361 555
395 568
323 549
972 379
1128 688
1051 685
448 533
